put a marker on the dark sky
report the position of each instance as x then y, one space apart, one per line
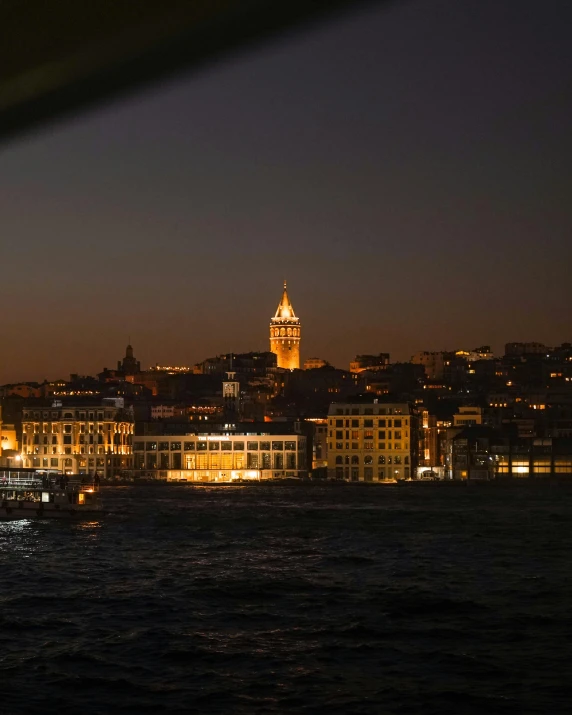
407 169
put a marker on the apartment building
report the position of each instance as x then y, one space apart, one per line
78 438
370 442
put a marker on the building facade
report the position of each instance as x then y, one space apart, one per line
315 363
481 453
319 443
369 362
467 416
370 442
432 362
93 438
9 452
221 456
285 334
431 439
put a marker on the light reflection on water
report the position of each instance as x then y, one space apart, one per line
13 526
18 536
89 530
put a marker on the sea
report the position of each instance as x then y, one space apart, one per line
293 598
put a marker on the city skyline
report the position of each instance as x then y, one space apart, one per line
264 347
479 352
405 168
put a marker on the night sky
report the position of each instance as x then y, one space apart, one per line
407 169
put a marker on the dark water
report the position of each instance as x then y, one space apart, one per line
278 599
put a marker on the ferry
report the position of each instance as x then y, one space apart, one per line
36 494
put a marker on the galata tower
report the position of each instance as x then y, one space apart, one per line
285 334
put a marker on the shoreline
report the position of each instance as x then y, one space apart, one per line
333 484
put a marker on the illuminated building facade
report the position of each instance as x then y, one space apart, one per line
319 442
285 334
221 456
432 443
369 442
78 438
479 452
9 453
468 416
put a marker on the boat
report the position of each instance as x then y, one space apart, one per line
36 494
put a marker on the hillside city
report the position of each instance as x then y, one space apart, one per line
449 415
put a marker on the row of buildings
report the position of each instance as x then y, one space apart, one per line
364 440
102 437
462 414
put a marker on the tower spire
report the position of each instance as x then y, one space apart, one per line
285 333
285 309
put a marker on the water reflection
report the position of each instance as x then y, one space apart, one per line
18 535
239 603
89 529
13 526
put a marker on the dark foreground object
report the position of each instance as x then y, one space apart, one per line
288 599
61 56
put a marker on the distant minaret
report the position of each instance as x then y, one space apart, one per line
285 334
129 365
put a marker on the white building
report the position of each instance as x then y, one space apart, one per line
221 456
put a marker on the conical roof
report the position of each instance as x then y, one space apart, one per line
285 309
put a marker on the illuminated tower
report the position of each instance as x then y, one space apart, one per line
285 334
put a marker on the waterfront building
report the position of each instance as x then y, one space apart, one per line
431 434
9 452
223 453
370 442
536 458
482 453
9 438
468 452
319 443
78 437
285 334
